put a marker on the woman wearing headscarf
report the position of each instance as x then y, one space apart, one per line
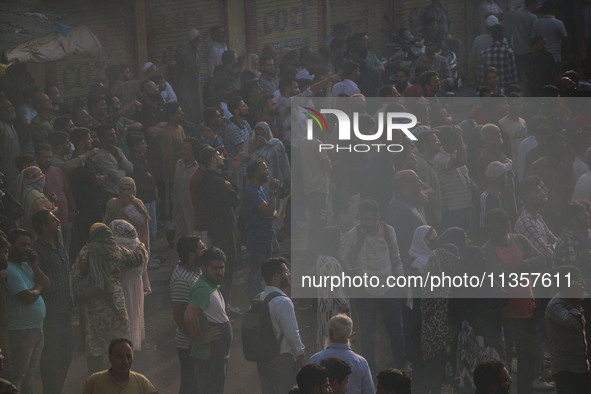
456 236
421 248
330 303
134 282
438 334
261 145
251 63
96 286
130 208
31 197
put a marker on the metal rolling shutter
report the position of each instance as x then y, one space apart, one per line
291 24
112 24
169 21
359 16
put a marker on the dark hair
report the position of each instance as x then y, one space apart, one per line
348 69
487 373
196 146
271 267
395 380
424 137
134 139
286 82
117 341
496 32
15 233
228 57
57 139
265 98
310 377
496 216
39 219
43 147
78 134
209 114
337 369
368 205
60 124
170 109
94 99
100 130
492 70
424 78
210 255
253 167
528 184
234 103
205 155
214 29
185 245
156 78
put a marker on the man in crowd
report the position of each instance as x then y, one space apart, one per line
237 133
500 56
189 249
348 86
57 184
278 375
405 210
340 330
492 377
9 142
217 48
456 186
338 374
566 334
26 281
120 374
111 161
57 326
555 170
269 81
42 124
259 210
393 381
206 319
370 248
428 146
220 199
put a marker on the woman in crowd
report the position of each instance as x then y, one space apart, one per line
134 281
31 197
130 208
95 282
421 248
330 303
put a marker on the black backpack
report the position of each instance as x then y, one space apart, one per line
259 342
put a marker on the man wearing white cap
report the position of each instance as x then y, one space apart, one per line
188 84
164 87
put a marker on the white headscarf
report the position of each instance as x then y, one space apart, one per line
419 249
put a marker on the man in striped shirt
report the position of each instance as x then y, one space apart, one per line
186 273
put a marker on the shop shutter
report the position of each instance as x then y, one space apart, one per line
291 24
169 21
112 24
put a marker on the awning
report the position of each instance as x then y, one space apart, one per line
30 33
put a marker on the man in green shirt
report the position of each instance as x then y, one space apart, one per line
208 323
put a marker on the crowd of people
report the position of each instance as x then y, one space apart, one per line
84 185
